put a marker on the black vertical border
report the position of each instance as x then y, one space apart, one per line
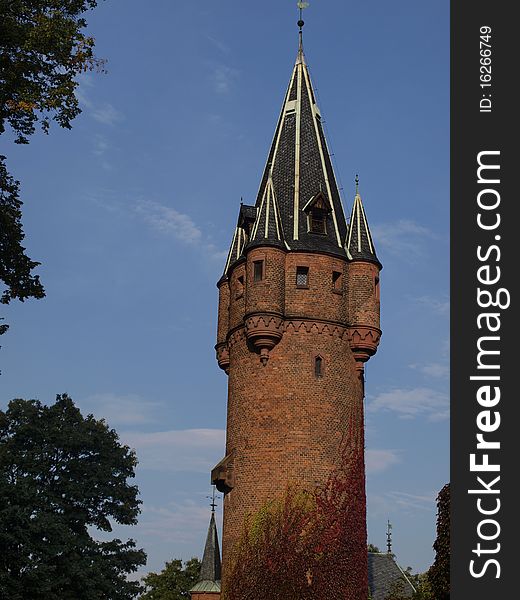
472 132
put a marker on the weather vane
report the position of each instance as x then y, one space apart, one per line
213 504
302 6
389 537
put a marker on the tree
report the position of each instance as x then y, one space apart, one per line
372 548
63 478
42 51
173 582
439 572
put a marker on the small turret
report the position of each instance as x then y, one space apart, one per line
363 285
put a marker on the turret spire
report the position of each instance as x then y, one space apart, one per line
359 244
210 570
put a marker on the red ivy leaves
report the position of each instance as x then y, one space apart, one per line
308 545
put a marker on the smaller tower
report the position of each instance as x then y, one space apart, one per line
208 586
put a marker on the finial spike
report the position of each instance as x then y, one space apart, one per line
213 504
389 537
301 6
357 184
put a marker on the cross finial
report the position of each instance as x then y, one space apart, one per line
213 504
357 184
389 537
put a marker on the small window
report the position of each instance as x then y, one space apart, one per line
258 270
240 287
337 282
318 366
376 287
317 222
302 277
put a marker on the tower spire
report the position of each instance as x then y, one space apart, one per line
210 571
359 244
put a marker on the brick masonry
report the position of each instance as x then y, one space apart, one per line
284 421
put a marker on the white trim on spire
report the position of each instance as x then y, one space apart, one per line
322 157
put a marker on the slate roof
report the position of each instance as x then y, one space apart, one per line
359 244
298 168
384 574
210 571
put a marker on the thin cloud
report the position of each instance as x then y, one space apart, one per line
117 409
189 450
412 403
390 502
223 78
221 46
106 114
440 306
404 239
168 220
433 369
380 460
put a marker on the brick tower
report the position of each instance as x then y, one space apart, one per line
298 318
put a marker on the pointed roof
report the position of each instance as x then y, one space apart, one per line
385 576
267 228
299 167
359 244
210 571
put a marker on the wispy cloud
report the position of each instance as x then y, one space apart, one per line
165 220
433 369
412 403
220 45
180 523
191 450
381 460
106 114
223 78
440 306
404 239
117 409
392 501
168 220
101 145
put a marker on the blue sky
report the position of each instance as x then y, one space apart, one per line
131 214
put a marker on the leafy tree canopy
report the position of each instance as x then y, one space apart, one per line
62 477
42 51
173 582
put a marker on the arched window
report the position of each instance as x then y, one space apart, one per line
318 366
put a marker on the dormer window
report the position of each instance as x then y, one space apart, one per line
317 222
317 210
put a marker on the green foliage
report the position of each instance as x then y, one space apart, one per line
397 591
42 51
372 548
439 573
422 587
173 582
62 477
15 266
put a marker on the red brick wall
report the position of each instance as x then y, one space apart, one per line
205 596
285 424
